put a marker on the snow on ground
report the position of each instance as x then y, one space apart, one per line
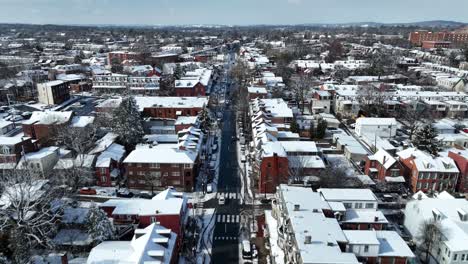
275 250
205 242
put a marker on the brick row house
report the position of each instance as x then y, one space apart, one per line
42 125
170 107
11 148
426 173
382 165
305 226
158 166
460 156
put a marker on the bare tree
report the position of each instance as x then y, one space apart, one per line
80 140
29 211
371 100
335 176
296 166
429 236
300 88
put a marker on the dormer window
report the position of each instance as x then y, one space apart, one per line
6 150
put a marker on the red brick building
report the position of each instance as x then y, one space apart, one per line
41 125
461 159
118 57
426 173
429 44
456 37
154 167
168 208
273 167
189 88
109 165
170 107
381 165
12 147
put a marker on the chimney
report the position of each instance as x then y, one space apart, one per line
419 196
297 207
308 240
376 219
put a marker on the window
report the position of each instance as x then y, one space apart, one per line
175 173
175 182
369 205
455 256
175 165
139 165
188 166
366 248
155 165
347 205
103 170
141 181
153 219
156 174
6 150
103 179
269 164
358 205
463 257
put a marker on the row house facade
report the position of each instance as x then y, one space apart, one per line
426 173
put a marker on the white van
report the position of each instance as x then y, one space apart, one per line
246 249
209 188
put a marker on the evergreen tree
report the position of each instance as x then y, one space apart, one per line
178 72
312 130
127 123
294 127
99 226
425 139
321 128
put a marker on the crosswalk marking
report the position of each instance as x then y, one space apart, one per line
229 218
226 238
228 195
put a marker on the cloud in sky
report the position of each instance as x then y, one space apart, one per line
240 12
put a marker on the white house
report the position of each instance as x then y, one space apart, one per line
452 214
381 127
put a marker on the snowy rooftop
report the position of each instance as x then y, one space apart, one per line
347 194
299 146
142 249
82 121
257 90
49 117
113 152
371 121
384 158
424 162
170 102
161 154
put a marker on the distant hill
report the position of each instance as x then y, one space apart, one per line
433 23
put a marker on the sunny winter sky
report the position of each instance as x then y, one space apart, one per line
239 12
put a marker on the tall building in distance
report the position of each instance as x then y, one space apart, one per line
456 38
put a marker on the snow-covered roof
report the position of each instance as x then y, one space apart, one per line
170 102
299 146
82 121
271 148
364 216
384 158
161 154
168 202
347 194
113 152
257 90
49 117
372 121
146 247
103 143
451 212
11 140
424 162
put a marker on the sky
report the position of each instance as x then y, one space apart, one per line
228 12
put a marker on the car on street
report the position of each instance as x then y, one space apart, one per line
246 249
87 191
209 188
124 193
221 200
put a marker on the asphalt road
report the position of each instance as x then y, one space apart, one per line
226 232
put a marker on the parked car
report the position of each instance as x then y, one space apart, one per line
209 188
88 191
221 201
246 249
124 193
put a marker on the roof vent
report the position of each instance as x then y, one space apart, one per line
297 207
308 239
